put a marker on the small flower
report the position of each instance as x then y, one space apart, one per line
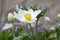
53 35
52 28
27 16
47 19
10 17
59 24
7 26
58 15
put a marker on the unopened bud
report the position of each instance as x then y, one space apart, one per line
58 15
10 17
47 19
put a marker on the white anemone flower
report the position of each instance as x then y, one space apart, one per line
27 16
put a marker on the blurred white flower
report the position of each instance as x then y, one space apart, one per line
53 35
7 26
27 16
47 19
59 24
58 15
52 28
10 17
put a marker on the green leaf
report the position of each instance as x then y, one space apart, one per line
18 31
57 30
48 33
16 11
26 38
52 39
34 7
6 35
39 36
24 8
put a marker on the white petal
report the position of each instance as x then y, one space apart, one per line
37 12
32 21
19 17
21 20
34 14
20 14
22 11
30 10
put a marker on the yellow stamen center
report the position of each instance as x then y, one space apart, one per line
28 16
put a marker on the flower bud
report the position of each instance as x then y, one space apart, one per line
59 24
58 15
10 17
47 19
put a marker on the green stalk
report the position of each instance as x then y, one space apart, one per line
27 28
13 29
31 31
36 25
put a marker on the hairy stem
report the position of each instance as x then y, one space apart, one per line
13 29
36 25
31 31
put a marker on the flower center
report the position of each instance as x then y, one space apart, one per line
28 16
